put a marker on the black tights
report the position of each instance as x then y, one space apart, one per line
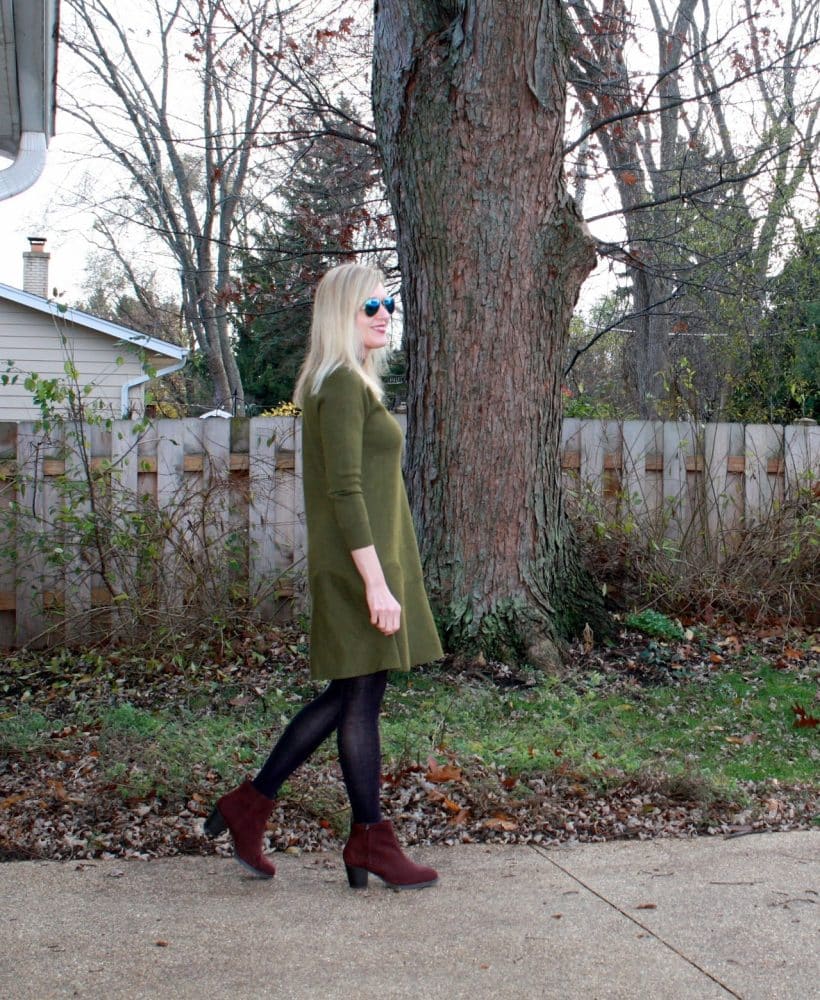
351 707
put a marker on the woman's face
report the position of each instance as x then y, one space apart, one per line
373 329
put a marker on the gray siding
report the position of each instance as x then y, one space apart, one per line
34 342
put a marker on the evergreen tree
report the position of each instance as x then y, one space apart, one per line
330 211
782 381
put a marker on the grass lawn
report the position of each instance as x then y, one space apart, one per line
710 723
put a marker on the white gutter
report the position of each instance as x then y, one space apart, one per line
27 166
125 404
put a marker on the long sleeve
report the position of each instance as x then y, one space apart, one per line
342 410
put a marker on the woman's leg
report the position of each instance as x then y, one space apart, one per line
372 845
350 706
359 745
305 732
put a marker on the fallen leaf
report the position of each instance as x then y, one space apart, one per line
802 719
12 800
500 822
440 773
460 818
161 944
646 906
731 644
58 789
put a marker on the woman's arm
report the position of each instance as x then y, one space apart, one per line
385 610
342 411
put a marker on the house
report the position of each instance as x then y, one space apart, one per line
28 73
43 337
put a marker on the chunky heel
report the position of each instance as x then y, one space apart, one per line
357 877
215 824
244 812
373 848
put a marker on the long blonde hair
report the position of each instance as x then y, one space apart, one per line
334 338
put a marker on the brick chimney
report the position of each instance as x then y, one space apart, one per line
35 267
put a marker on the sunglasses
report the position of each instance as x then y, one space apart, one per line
371 306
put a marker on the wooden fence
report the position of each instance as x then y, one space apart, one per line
216 505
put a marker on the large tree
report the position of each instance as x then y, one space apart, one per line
469 102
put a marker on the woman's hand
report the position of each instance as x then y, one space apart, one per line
385 610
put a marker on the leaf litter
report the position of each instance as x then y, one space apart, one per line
58 803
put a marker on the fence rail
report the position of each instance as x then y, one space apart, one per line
226 502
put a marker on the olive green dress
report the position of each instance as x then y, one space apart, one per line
355 497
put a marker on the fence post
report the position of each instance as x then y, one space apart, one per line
124 485
717 445
8 495
262 555
802 458
764 442
676 435
30 582
76 575
638 441
170 495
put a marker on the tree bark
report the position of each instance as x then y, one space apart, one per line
469 107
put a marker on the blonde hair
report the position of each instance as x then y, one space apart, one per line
334 338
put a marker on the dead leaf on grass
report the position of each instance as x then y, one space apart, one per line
440 773
802 719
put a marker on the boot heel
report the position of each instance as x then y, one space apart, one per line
356 877
215 824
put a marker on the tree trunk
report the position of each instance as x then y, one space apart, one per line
469 105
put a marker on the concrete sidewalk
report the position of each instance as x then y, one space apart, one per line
661 919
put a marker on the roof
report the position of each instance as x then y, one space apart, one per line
28 69
57 311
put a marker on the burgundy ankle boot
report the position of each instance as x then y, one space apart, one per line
244 812
373 848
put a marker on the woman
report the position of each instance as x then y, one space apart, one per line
369 609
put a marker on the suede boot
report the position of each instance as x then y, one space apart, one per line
244 812
373 848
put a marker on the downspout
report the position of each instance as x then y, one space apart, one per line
125 405
27 166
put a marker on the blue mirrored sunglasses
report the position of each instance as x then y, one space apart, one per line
371 306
